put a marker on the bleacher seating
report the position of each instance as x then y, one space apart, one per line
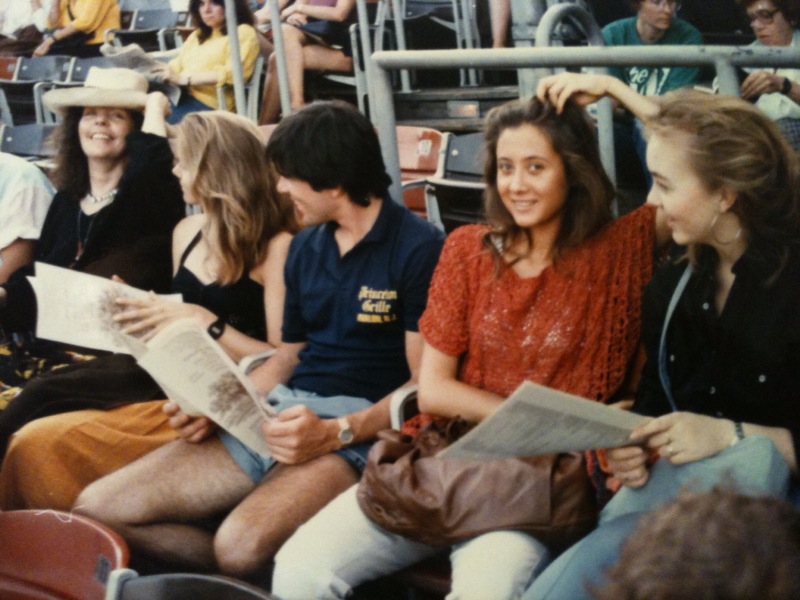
126 584
456 196
20 92
421 152
8 66
55 555
30 140
145 27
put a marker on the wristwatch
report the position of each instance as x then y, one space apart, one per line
216 329
787 86
345 433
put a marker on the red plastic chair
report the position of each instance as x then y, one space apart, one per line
54 555
420 153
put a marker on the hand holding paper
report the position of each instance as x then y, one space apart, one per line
537 420
79 309
144 317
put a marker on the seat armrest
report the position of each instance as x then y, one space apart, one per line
403 405
116 579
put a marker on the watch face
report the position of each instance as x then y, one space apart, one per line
345 433
216 329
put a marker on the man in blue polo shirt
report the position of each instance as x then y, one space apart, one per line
356 284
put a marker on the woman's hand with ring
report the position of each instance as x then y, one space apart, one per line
683 437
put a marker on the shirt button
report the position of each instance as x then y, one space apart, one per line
762 378
713 390
719 414
705 305
671 358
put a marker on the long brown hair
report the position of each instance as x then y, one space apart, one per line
587 208
71 170
243 17
235 186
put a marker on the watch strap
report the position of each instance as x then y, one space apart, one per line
216 329
738 433
787 86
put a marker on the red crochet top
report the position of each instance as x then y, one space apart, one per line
575 327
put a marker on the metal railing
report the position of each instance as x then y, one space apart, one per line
723 59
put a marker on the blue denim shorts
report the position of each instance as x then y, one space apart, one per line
281 398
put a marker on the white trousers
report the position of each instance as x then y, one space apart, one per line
340 548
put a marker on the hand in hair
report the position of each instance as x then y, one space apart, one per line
582 88
585 88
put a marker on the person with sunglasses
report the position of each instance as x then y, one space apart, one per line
655 23
775 91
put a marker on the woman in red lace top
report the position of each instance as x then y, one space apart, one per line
549 291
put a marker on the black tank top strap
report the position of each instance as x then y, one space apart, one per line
190 247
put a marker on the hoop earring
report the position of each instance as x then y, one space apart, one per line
714 233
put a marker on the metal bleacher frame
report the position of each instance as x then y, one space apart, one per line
531 62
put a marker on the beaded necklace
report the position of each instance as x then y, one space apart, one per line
104 198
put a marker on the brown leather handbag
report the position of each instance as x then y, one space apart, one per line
407 490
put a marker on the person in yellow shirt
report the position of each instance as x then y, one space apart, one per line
204 61
78 27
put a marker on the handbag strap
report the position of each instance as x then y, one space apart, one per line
662 346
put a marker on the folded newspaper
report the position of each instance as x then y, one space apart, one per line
131 56
192 369
538 420
78 308
201 378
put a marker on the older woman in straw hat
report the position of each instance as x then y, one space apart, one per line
116 202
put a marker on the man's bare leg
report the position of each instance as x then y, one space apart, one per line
288 496
154 501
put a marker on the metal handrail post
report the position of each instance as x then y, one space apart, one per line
280 57
385 122
400 35
557 13
591 56
525 15
232 24
727 79
366 50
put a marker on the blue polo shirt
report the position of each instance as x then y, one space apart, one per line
353 311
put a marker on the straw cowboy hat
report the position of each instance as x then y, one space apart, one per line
122 88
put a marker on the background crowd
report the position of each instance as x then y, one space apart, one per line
682 310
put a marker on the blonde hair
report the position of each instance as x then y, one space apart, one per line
733 145
235 186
